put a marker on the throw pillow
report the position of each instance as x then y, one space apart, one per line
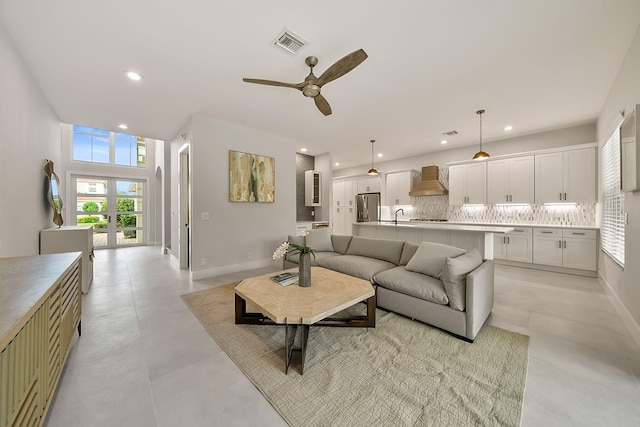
430 258
454 277
320 240
298 240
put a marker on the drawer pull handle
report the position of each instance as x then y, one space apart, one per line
547 232
578 234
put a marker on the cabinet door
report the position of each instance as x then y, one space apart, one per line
580 254
548 177
397 188
338 192
519 246
375 184
457 184
498 181
580 175
477 182
521 179
350 191
499 246
547 249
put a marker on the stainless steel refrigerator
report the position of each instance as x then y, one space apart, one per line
367 207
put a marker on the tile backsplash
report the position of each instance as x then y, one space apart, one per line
581 214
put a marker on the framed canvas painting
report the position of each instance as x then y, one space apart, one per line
252 177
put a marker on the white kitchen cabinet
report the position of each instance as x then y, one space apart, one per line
344 191
570 248
514 246
343 219
510 180
71 239
312 188
397 187
468 183
369 184
568 176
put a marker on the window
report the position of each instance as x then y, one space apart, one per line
101 146
613 218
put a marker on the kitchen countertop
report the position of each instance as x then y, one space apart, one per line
493 228
583 227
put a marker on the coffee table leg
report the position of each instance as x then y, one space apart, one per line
304 338
289 338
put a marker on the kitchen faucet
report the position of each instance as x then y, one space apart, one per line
396 215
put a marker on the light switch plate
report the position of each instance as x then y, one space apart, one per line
204 216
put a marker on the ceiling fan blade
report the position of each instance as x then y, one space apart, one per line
322 105
274 83
342 67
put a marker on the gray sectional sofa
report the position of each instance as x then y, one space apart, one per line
437 284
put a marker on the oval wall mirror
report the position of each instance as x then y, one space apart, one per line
53 193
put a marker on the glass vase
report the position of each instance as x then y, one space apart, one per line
304 273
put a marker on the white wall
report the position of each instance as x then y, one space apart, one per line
237 236
29 134
625 284
573 135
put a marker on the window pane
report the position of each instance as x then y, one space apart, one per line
100 150
129 188
126 137
123 153
81 147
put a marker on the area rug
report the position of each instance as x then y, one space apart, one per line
402 373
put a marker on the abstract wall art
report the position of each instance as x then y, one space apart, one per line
252 177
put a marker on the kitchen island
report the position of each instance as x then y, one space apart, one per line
464 236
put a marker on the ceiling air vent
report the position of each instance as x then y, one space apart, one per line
450 133
289 41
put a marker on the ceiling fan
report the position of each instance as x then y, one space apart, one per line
311 85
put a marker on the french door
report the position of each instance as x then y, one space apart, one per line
113 206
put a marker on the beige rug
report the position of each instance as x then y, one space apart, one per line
402 373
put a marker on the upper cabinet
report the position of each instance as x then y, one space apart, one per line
344 191
312 188
397 187
568 176
369 184
468 183
510 180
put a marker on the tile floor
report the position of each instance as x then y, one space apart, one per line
144 360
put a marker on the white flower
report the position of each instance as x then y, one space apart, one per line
306 232
281 251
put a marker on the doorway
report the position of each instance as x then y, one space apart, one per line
114 207
184 211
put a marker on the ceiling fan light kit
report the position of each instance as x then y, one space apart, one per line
480 154
372 171
311 86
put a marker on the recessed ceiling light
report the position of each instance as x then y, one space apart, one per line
379 154
508 128
337 164
304 150
123 126
133 75
444 141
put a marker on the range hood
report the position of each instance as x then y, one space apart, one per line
429 186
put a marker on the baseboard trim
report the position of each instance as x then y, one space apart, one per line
234 268
626 317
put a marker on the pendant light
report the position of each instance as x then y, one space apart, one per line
372 171
480 154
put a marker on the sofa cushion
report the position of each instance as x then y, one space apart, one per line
430 258
340 243
298 240
415 284
454 277
382 249
320 240
354 265
314 259
408 251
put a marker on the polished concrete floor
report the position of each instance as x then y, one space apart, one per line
144 360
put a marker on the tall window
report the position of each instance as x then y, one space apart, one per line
612 200
101 146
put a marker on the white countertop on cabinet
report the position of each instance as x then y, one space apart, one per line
584 227
494 228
